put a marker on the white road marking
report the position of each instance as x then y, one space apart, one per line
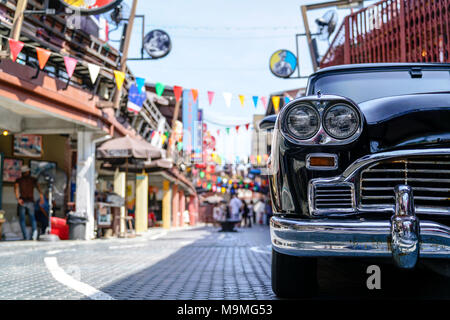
61 276
58 251
159 235
127 246
258 250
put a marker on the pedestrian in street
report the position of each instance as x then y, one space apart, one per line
24 191
259 208
245 212
235 207
250 213
41 211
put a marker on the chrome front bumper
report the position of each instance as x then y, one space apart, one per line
354 238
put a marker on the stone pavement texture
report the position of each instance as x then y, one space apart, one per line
197 263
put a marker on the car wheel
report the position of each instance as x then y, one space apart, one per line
293 277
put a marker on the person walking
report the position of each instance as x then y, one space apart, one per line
235 208
24 191
258 210
250 213
245 214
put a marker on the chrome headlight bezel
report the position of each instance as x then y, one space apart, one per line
321 104
287 128
330 108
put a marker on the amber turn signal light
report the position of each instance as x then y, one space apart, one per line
322 162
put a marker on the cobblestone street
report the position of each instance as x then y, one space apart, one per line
199 263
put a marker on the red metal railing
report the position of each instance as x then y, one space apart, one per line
393 31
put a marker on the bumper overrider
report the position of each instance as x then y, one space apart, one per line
403 238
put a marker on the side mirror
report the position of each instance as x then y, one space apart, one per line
268 123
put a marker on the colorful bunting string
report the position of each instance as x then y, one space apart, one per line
255 101
15 48
43 56
94 71
159 88
210 97
70 64
276 103
177 90
242 99
120 78
228 96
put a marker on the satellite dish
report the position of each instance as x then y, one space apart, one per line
327 24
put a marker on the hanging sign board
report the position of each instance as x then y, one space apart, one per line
136 99
157 44
88 7
283 63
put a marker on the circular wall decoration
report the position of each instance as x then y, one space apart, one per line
157 44
87 7
283 63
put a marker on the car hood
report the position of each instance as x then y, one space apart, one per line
408 120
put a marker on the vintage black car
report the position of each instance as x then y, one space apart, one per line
360 167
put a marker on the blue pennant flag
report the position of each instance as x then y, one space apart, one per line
286 100
140 83
255 101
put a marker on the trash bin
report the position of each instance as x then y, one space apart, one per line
77 225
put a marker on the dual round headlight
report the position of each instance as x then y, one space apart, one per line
340 121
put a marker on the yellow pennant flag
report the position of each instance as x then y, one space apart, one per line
276 103
242 99
120 78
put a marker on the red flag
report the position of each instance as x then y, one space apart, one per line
210 97
177 90
218 132
237 129
247 125
195 94
43 56
15 47
71 64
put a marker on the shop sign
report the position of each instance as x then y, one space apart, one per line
283 63
157 44
88 7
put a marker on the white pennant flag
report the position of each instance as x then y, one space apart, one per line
94 70
227 97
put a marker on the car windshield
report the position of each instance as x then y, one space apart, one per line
378 84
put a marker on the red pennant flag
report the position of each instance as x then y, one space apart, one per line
195 94
237 129
247 125
71 64
15 47
43 56
210 97
218 132
177 90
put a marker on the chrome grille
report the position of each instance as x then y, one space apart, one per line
333 197
429 178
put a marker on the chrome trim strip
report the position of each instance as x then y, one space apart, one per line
351 238
330 155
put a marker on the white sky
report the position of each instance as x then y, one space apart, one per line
225 46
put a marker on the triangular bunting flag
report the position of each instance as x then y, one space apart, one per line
159 88
140 83
71 64
210 97
276 103
15 47
218 132
237 129
264 102
195 94
177 90
286 100
227 97
94 71
42 56
120 78
255 101
247 125
228 130
242 99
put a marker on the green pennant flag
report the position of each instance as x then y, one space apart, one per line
159 88
228 130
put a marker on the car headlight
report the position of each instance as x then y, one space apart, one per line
302 122
341 121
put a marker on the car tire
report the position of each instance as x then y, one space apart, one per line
293 277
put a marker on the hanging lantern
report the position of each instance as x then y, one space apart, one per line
202 174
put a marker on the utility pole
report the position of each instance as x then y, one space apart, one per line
126 46
18 19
